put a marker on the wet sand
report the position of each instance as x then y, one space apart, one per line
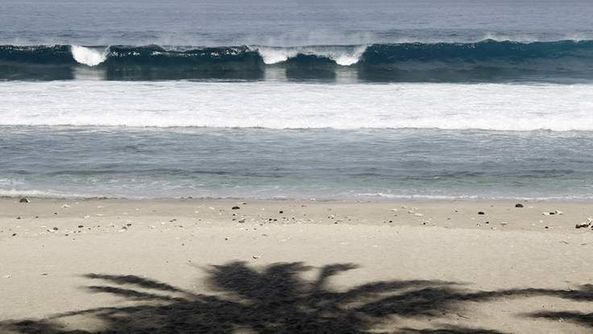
191 265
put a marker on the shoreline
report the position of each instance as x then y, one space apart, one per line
369 199
67 265
459 213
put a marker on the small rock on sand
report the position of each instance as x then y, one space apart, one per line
518 205
24 200
236 207
583 225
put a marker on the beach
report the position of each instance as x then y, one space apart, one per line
199 265
296 167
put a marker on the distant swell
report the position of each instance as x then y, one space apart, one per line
485 61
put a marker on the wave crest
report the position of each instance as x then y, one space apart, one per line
341 55
88 56
485 61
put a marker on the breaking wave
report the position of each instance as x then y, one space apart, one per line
485 61
88 56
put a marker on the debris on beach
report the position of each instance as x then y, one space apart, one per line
24 200
588 223
236 207
518 205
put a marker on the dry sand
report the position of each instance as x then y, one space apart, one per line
199 266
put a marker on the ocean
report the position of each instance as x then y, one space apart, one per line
302 99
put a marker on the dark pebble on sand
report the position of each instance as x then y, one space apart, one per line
55 228
24 200
80 226
518 205
280 212
480 212
19 217
14 234
235 207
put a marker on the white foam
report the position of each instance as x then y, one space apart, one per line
88 56
508 107
344 56
349 58
276 55
41 194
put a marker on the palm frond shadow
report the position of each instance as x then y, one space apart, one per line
583 294
272 299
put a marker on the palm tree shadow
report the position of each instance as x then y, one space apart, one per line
583 294
273 299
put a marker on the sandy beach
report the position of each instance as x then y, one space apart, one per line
198 266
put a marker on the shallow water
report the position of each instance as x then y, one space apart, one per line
305 163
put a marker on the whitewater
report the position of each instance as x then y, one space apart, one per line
274 105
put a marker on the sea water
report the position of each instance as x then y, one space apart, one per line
297 99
